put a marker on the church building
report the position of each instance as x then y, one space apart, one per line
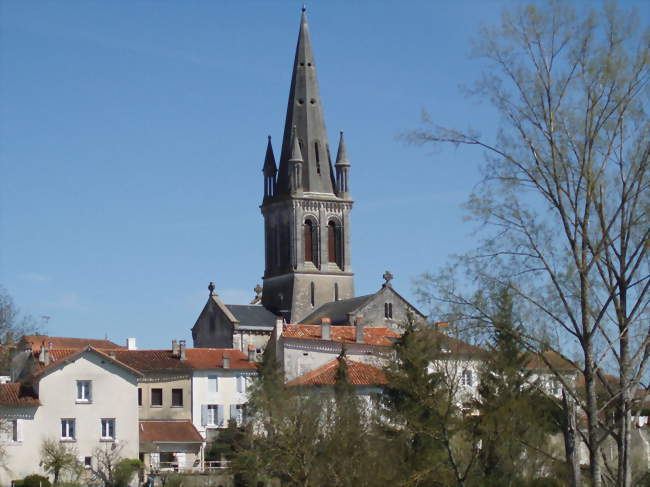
306 209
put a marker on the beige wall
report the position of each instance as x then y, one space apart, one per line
166 382
114 395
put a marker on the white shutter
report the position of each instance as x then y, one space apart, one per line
154 460
204 414
180 458
19 430
220 415
233 412
240 383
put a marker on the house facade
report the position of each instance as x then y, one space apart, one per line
71 401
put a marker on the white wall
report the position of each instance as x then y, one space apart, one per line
226 395
303 356
114 395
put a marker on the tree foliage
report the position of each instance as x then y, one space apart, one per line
60 460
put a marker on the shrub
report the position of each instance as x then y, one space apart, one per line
35 481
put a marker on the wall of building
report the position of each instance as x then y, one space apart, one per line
212 328
374 311
302 356
226 394
166 382
113 395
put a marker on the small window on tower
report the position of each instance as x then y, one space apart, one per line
336 291
317 157
312 294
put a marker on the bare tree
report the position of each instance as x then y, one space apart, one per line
565 199
60 459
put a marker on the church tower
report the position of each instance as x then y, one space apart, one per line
306 204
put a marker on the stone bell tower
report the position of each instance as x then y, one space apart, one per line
306 203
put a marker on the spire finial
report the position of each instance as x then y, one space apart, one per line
269 138
304 7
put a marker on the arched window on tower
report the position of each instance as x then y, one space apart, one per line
311 242
334 243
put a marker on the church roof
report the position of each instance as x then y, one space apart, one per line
337 311
359 374
305 113
380 336
253 316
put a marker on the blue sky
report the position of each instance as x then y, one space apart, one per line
133 134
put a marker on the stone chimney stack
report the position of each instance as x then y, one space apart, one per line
181 349
358 323
251 353
175 348
326 328
226 361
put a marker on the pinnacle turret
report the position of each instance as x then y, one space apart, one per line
270 171
342 171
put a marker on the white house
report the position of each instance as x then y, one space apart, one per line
86 399
220 381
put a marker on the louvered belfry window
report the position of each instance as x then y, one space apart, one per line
334 243
310 242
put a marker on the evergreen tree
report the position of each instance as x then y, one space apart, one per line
514 418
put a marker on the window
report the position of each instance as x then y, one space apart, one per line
212 415
11 431
177 398
156 397
388 310
139 396
108 429
336 291
467 378
213 384
317 152
237 413
311 242
312 294
83 391
333 243
68 429
88 462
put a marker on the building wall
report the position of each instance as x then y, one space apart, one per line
166 382
374 311
242 339
302 356
226 394
114 395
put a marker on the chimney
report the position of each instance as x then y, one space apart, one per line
181 349
43 353
251 353
358 323
226 361
130 344
175 349
326 328
442 327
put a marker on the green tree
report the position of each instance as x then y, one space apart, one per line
428 430
515 419
565 200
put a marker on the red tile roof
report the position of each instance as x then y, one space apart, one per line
152 360
380 336
169 432
57 355
359 374
16 394
557 362
36 341
210 358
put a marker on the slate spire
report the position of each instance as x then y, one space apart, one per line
305 113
